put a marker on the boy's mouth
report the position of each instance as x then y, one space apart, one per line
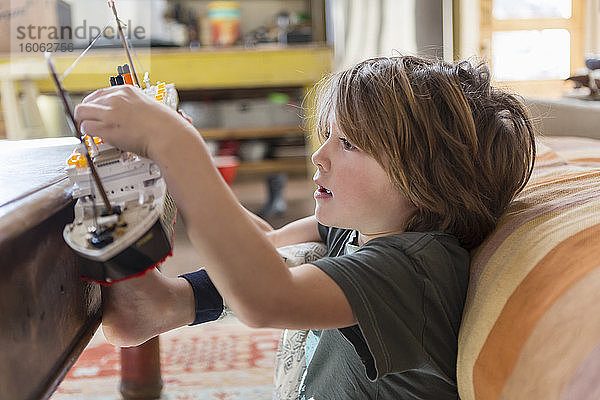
323 193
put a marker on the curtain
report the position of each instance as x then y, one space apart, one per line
362 29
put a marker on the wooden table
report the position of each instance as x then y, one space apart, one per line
48 313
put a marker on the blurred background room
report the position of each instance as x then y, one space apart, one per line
243 68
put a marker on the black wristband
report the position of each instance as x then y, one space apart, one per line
209 303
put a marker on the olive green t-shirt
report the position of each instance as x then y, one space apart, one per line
407 292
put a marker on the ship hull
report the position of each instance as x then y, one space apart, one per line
151 249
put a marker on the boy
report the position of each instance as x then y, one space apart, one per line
419 160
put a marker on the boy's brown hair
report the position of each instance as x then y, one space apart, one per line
456 147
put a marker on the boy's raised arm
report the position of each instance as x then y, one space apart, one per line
299 231
260 223
239 257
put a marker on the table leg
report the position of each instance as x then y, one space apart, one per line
140 371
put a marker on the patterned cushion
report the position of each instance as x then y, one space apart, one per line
290 362
531 326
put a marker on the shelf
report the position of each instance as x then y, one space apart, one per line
259 68
250 133
291 164
237 67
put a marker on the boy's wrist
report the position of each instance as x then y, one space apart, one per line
208 304
170 139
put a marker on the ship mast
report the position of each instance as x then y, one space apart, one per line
77 133
73 122
111 4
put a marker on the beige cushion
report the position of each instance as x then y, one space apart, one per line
531 326
290 361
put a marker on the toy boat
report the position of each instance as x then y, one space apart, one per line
138 234
131 229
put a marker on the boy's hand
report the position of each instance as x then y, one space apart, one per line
128 119
185 116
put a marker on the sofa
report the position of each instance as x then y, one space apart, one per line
531 328
531 325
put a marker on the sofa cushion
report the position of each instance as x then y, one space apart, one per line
531 326
290 361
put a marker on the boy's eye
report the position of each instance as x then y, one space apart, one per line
347 145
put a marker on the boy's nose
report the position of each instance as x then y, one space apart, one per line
319 160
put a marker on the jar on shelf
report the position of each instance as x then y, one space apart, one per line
224 21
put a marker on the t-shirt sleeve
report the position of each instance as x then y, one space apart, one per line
386 294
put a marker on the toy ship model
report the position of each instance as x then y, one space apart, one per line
124 216
138 233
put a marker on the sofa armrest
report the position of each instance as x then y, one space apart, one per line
565 116
530 327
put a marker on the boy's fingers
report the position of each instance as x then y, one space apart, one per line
103 92
94 96
185 116
97 93
91 112
94 128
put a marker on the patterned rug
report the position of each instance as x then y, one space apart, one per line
223 360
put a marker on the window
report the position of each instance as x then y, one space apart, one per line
533 45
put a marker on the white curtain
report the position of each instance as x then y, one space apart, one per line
368 28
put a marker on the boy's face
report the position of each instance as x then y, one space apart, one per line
354 191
